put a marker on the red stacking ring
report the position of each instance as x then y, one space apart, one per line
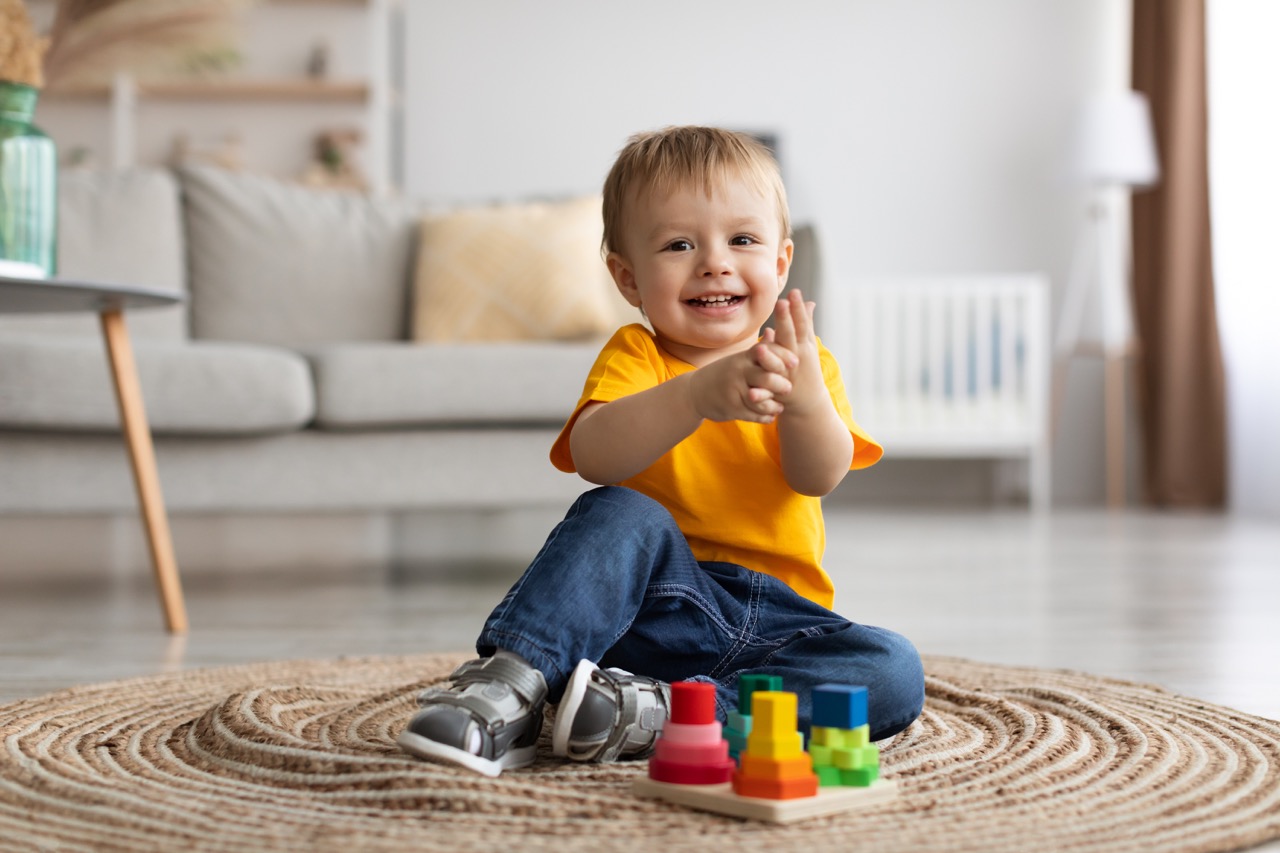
693 703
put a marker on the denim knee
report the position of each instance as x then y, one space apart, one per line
899 698
628 503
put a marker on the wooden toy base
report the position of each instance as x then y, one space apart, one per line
722 799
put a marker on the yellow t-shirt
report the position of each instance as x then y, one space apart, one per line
724 484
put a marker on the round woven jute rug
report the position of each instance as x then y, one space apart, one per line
302 756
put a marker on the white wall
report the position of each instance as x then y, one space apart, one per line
920 135
1244 136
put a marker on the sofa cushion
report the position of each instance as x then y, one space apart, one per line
515 272
277 263
402 385
121 227
63 383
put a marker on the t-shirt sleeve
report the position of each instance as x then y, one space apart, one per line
630 362
866 450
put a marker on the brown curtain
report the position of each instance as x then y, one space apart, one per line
1180 373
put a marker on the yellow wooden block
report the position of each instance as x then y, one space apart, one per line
773 713
786 746
757 767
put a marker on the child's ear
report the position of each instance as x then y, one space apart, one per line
784 262
624 277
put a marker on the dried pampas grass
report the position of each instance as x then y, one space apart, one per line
21 50
93 39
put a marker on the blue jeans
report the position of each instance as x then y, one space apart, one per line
617 584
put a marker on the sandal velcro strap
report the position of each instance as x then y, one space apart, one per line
628 715
481 709
526 681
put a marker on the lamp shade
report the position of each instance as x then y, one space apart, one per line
1114 144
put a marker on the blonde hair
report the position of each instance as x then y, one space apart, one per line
664 161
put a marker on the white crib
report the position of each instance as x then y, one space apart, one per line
949 366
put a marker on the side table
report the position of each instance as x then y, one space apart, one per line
109 301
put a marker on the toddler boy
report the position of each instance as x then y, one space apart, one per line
700 555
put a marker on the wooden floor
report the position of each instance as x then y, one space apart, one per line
1189 602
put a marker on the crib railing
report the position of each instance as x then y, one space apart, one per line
950 366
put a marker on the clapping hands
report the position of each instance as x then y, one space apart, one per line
789 352
779 374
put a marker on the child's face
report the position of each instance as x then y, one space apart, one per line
706 271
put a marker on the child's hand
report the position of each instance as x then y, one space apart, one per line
743 386
793 319
772 357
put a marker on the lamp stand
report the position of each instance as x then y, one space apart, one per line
1099 267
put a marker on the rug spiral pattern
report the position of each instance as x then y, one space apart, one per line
302 756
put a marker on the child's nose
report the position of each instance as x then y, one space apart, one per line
714 262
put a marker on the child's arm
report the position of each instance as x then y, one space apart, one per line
815 442
613 441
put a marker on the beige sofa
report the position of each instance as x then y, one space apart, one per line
287 381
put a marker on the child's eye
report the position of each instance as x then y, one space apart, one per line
742 240
679 246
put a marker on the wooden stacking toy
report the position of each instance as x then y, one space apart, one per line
774 765
690 748
775 779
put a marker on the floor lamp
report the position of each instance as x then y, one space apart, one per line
1113 154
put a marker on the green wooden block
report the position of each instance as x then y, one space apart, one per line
750 683
834 738
737 743
829 777
820 754
841 738
739 722
861 777
854 759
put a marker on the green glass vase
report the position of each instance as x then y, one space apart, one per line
28 187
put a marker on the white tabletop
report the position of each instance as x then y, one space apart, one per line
57 295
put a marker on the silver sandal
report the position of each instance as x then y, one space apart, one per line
609 715
488 719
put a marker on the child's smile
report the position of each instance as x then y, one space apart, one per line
706 269
711 303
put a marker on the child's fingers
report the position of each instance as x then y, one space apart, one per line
774 358
785 324
763 411
801 316
768 385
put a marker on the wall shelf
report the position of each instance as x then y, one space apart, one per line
231 90
268 103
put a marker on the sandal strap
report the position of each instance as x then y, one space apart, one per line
481 709
628 691
526 681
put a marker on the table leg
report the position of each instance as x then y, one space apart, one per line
1114 392
137 435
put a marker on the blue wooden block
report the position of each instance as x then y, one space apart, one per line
839 706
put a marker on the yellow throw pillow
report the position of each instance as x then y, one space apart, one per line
515 272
